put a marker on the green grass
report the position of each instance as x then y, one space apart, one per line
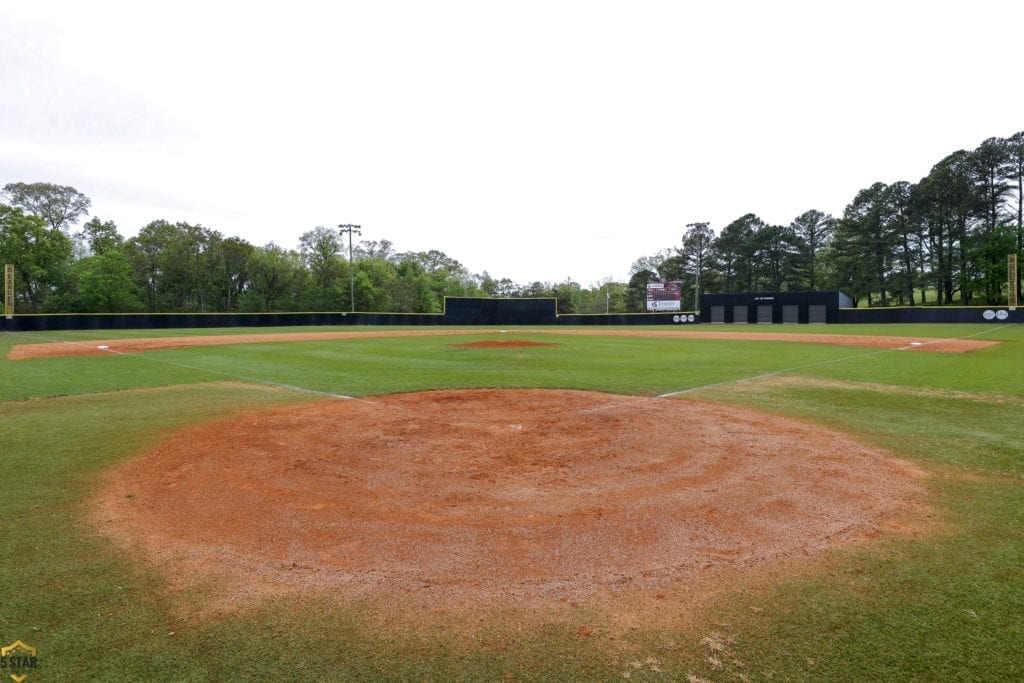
944 606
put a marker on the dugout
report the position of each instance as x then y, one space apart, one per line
773 308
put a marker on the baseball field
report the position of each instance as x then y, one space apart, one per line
484 504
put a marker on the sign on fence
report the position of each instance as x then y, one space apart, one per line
664 296
8 291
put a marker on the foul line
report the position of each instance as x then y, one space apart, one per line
669 394
242 378
782 371
817 364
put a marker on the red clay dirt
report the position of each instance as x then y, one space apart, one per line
512 495
115 346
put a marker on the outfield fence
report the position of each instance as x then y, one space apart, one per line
795 308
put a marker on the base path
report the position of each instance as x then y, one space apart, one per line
98 347
496 494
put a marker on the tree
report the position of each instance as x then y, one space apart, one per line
275 280
568 297
991 168
1015 154
488 285
604 296
538 289
652 262
846 267
105 284
321 250
232 258
147 252
193 260
40 255
897 214
411 289
812 230
867 237
374 282
507 289
383 249
446 276
176 265
101 237
636 290
696 253
774 254
947 202
734 253
60 206
673 268
988 252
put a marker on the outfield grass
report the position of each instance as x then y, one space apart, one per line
942 606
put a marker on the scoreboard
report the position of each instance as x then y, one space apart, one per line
664 296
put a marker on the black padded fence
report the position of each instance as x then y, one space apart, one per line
682 318
749 308
931 314
835 307
480 311
129 321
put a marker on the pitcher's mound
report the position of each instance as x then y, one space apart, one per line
486 492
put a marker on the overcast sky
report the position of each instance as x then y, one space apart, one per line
535 140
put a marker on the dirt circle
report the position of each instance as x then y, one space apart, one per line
495 493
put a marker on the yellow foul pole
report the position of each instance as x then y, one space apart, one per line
1011 281
8 291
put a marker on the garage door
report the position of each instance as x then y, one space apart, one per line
718 314
739 315
816 314
764 315
790 314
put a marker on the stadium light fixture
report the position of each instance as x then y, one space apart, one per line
349 228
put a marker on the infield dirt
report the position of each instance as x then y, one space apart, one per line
497 497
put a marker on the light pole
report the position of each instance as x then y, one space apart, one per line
699 235
346 227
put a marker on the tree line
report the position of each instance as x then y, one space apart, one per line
941 240
179 267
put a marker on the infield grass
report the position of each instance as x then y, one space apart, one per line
945 605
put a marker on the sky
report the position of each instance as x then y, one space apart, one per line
535 140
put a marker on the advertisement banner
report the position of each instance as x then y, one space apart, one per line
664 296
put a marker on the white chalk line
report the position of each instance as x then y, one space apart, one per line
917 345
750 378
782 371
773 373
241 378
669 394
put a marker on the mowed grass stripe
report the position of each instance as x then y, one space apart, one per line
373 366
